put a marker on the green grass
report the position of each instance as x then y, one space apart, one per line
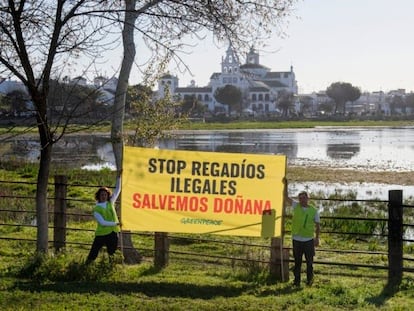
237 125
65 283
105 127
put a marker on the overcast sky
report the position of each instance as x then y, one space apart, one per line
367 43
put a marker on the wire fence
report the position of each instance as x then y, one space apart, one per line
364 236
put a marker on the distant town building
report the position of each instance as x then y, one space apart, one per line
375 103
8 86
260 86
105 86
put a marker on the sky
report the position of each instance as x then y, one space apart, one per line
367 43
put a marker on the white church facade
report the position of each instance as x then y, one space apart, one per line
259 85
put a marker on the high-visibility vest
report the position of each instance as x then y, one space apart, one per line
303 221
108 213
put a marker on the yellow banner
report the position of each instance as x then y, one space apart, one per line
202 192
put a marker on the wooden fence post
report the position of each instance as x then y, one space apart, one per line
395 237
279 260
59 219
162 246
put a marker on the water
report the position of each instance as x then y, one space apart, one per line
363 190
71 151
371 149
363 149
367 149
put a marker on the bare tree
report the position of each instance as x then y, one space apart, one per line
40 39
122 87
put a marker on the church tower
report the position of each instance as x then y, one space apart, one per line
230 68
252 57
167 83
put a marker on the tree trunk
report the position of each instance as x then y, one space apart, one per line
41 190
130 254
122 86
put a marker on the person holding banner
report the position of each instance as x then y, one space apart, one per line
305 234
108 226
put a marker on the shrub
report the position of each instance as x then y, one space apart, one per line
43 268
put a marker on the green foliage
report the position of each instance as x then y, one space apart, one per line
191 106
63 282
407 284
4 104
16 103
409 100
137 94
341 92
27 172
354 218
253 267
285 102
229 95
43 268
19 194
70 101
151 119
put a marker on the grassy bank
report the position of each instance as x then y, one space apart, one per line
289 124
187 286
63 282
129 125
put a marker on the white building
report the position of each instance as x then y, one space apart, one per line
260 86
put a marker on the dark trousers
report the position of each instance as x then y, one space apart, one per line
110 241
300 249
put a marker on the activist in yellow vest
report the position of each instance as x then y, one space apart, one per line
108 213
303 224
